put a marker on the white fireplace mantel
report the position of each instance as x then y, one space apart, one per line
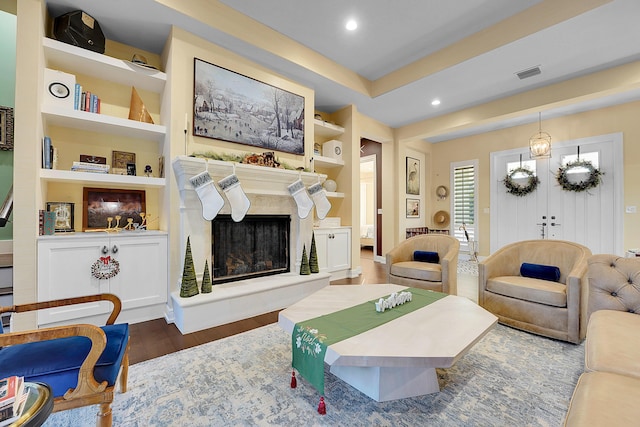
267 191
254 179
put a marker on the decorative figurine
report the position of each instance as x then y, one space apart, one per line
189 285
147 170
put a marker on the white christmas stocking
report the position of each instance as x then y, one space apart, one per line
211 199
319 197
300 195
237 198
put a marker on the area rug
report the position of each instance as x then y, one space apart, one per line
510 378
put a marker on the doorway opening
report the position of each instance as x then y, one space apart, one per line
368 203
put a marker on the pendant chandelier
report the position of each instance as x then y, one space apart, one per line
540 143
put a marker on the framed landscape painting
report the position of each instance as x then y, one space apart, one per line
231 107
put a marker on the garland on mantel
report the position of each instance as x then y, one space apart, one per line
594 179
517 189
246 158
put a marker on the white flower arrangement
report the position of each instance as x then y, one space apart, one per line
394 300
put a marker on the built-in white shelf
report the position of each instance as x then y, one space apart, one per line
327 162
88 178
326 129
75 59
102 123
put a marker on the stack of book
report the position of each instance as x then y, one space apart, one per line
90 167
85 100
13 397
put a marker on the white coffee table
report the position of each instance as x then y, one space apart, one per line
398 359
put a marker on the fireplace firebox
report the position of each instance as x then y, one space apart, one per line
256 246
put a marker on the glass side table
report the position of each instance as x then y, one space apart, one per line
38 407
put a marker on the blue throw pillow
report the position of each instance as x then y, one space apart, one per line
425 256
539 271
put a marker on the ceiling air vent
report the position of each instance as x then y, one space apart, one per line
529 72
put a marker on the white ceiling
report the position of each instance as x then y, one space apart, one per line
393 34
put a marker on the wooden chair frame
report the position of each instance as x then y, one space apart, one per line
88 391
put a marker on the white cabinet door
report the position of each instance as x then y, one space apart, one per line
143 270
340 249
334 248
64 271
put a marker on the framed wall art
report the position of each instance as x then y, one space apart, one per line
120 160
413 208
6 128
100 204
231 107
64 215
413 176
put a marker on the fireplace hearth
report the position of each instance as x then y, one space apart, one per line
257 246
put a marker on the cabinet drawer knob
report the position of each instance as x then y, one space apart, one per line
105 250
114 250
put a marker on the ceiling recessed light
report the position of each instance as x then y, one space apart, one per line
351 24
435 102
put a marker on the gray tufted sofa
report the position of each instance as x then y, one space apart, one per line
608 392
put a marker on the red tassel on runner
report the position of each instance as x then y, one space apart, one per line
322 409
294 382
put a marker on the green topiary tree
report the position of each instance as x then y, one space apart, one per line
313 255
189 286
304 265
206 279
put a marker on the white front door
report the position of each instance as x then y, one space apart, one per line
592 218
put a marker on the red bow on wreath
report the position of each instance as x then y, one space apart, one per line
105 259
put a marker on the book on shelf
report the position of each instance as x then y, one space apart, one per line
46 223
87 101
90 167
77 96
47 153
12 399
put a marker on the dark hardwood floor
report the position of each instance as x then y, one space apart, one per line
156 338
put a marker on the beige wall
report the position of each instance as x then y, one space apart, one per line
622 118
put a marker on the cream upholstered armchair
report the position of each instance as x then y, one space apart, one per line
428 261
538 286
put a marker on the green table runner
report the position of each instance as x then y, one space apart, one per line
310 339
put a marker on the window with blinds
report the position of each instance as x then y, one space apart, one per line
464 204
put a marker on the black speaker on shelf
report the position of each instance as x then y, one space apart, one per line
79 29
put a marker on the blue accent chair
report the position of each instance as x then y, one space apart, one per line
81 363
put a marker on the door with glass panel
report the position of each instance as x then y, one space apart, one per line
592 217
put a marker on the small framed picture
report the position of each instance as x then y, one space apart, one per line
64 215
131 169
6 128
413 208
87 158
120 159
